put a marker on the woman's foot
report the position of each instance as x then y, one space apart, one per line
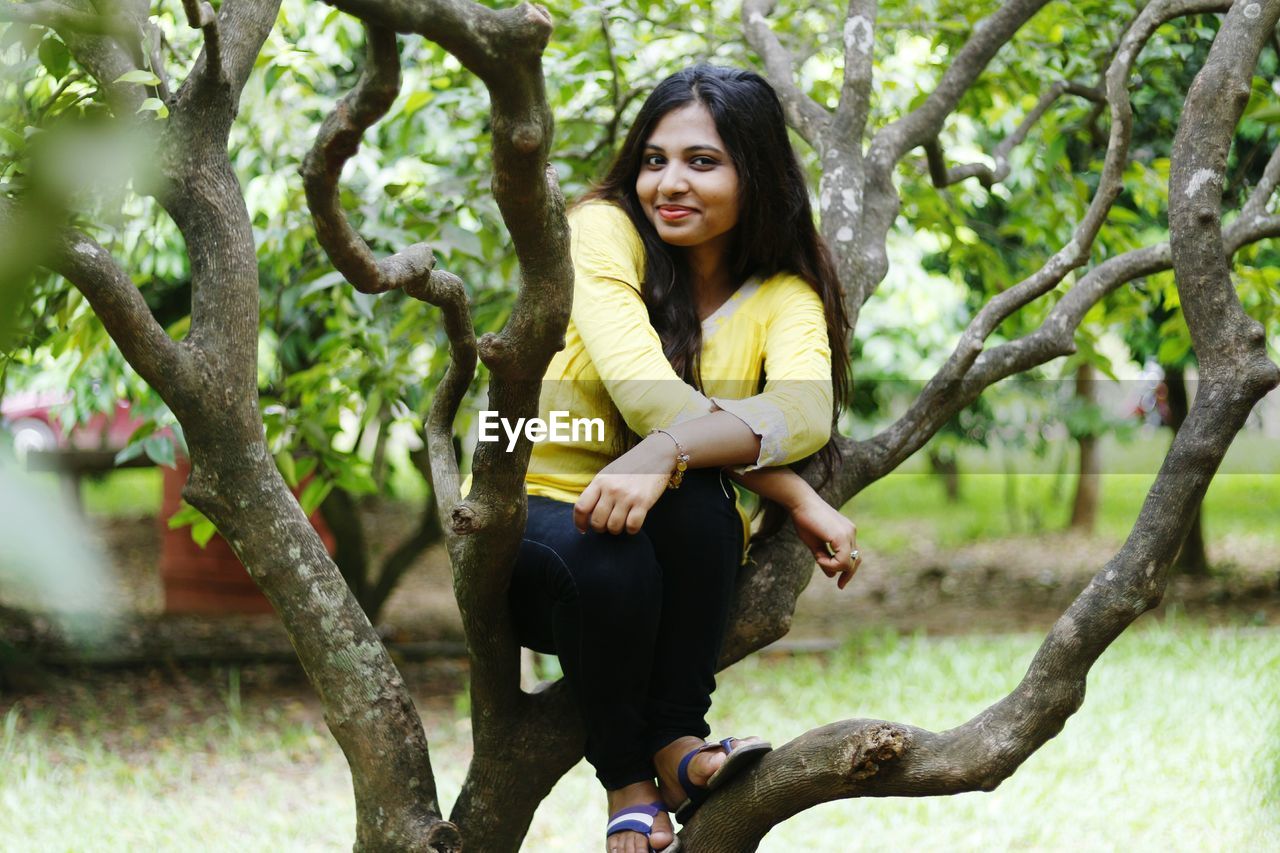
703 763
701 768
639 794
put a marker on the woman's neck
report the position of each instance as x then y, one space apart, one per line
712 281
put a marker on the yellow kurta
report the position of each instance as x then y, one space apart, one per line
774 328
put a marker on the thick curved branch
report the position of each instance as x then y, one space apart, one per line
944 176
806 115
411 270
81 260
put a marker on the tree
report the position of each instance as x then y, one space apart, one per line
525 741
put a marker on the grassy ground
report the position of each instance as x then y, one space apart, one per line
1176 747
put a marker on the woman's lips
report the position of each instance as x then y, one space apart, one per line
674 214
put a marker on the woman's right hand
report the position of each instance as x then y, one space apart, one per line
620 496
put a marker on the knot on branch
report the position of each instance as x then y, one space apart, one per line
443 837
403 270
439 287
880 744
495 351
465 519
539 16
527 137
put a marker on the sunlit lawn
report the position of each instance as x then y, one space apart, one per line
1177 747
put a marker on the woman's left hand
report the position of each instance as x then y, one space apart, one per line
819 524
621 495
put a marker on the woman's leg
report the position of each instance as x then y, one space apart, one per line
594 600
697 535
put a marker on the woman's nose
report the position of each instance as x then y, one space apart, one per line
673 181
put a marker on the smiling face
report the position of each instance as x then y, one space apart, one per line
688 184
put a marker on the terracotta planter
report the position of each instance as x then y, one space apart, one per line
210 579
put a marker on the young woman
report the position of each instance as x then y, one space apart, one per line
708 334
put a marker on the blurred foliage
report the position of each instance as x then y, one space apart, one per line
339 370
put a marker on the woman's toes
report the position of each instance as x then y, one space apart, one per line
663 832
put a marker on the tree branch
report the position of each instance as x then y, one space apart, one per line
412 270
923 123
850 121
200 16
1257 203
942 176
160 360
806 115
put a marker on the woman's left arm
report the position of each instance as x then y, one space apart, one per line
817 523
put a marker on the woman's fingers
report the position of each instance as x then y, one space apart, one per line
617 521
585 506
600 515
635 519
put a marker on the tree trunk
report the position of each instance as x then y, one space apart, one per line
1193 559
948 468
1084 508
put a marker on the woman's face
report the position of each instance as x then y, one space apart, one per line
688 185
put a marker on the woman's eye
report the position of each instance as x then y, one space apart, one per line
704 162
654 160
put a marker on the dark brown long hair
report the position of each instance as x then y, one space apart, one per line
775 230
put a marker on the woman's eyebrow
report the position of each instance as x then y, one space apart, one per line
689 150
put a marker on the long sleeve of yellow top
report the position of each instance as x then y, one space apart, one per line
613 367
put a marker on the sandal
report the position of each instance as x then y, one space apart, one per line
634 819
748 750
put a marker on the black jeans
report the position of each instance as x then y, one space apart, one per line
636 620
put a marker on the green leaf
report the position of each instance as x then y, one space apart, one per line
130 452
202 531
159 449
288 470
314 494
139 75
155 104
303 467
186 514
55 58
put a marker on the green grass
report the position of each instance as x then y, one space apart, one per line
910 505
1177 747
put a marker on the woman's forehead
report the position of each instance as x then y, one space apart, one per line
686 127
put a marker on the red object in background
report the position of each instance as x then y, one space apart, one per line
32 420
210 579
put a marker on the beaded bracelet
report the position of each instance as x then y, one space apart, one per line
682 460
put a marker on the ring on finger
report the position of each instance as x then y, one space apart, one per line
854 555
